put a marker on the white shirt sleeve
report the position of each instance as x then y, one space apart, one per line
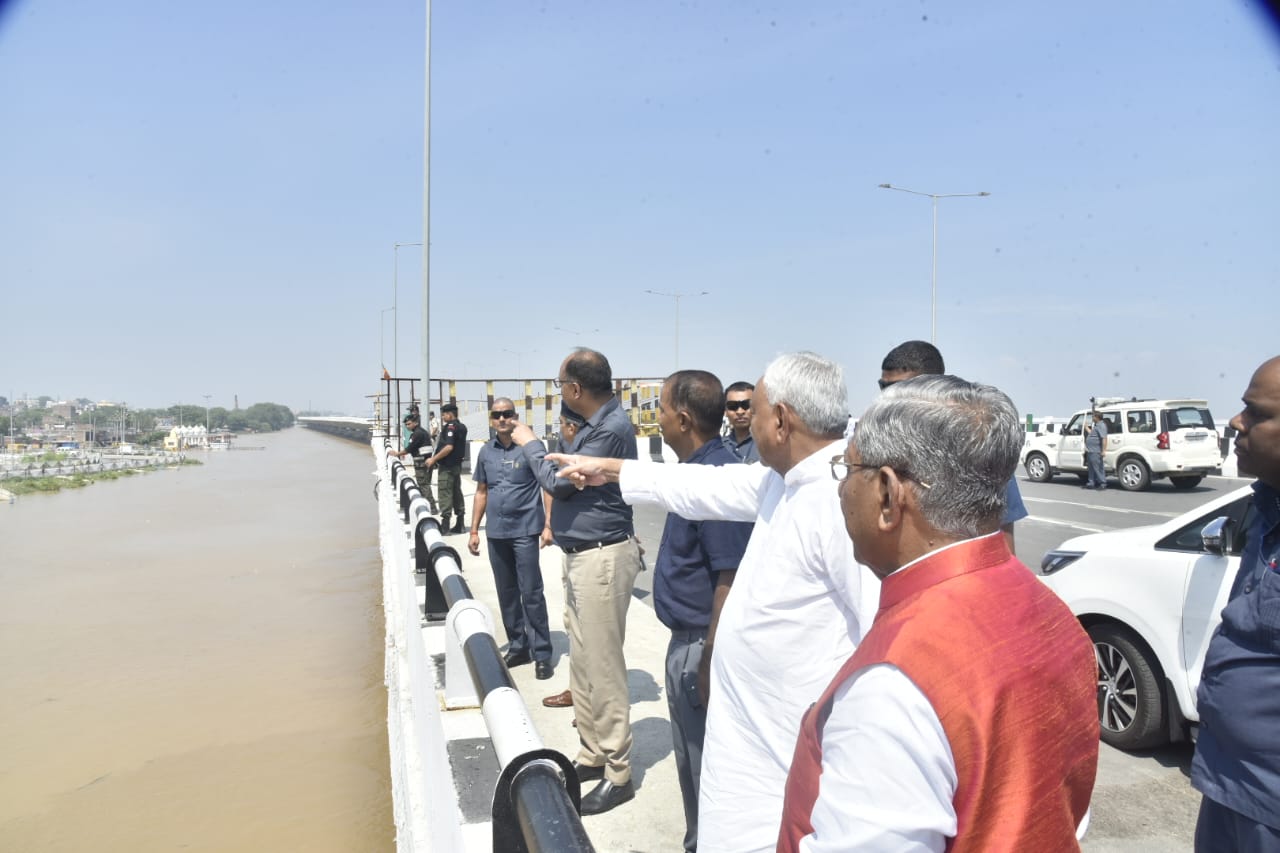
697 492
888 775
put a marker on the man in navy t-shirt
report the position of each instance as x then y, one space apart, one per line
695 568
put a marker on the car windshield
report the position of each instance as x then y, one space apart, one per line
1188 417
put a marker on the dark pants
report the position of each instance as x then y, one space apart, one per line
451 493
423 476
1097 471
518 578
688 722
1223 830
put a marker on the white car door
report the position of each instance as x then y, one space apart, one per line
1208 585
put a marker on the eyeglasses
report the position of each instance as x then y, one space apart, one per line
736 405
503 414
560 383
840 468
885 383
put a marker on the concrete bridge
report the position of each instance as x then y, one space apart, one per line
356 429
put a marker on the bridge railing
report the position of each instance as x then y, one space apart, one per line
537 799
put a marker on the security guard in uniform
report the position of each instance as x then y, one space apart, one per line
418 445
450 450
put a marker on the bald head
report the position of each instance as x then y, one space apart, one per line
1257 444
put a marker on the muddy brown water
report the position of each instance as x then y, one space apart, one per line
191 659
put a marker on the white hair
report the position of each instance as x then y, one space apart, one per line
813 387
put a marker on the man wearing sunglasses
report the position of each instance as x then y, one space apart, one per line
509 493
921 358
737 410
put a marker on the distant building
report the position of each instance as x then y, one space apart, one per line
185 437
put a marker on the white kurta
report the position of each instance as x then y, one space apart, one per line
798 606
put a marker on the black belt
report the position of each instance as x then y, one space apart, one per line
587 546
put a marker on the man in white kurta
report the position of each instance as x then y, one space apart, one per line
798 603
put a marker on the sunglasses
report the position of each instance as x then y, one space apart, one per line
503 414
737 405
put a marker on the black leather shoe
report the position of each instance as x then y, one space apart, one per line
587 773
542 670
457 528
516 659
606 796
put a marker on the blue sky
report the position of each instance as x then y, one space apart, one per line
202 199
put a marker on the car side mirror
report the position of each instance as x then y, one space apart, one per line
1218 536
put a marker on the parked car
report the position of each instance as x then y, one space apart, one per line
1150 599
1146 440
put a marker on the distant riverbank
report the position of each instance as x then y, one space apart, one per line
54 472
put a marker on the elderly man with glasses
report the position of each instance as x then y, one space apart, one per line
799 601
966 719
508 491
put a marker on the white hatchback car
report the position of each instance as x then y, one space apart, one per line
1151 598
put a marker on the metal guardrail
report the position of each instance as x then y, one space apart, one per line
536 803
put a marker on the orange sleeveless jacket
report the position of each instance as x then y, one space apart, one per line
1011 676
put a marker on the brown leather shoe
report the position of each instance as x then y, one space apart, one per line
560 700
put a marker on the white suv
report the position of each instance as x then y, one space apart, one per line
1146 440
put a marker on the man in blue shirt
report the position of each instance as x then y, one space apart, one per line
1237 761
737 411
920 358
601 561
507 490
1095 445
695 568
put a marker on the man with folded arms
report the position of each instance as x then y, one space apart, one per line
967 718
602 559
799 601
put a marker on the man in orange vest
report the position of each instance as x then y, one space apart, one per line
967 718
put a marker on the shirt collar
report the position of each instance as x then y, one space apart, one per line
1266 501
923 557
815 466
704 451
609 406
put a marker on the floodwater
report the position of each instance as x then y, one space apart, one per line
192 659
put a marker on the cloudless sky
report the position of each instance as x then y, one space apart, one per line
202 198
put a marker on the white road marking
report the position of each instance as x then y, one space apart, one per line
1070 524
1026 499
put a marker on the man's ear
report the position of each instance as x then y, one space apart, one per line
891 493
782 420
683 420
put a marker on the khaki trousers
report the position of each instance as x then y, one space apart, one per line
597 592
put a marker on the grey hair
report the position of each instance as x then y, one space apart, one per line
812 387
960 438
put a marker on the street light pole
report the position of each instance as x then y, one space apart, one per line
382 346
517 354
395 302
206 416
933 275
677 297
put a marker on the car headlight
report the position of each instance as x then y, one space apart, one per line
1057 560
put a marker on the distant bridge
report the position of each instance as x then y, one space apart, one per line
356 429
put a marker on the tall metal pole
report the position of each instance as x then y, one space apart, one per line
426 221
933 276
933 280
395 317
206 415
677 297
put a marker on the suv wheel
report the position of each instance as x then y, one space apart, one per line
1130 705
1134 474
1184 483
1038 470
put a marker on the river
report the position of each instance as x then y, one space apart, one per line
193 658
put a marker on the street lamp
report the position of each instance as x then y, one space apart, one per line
575 332
206 416
395 301
382 346
517 354
933 286
677 297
